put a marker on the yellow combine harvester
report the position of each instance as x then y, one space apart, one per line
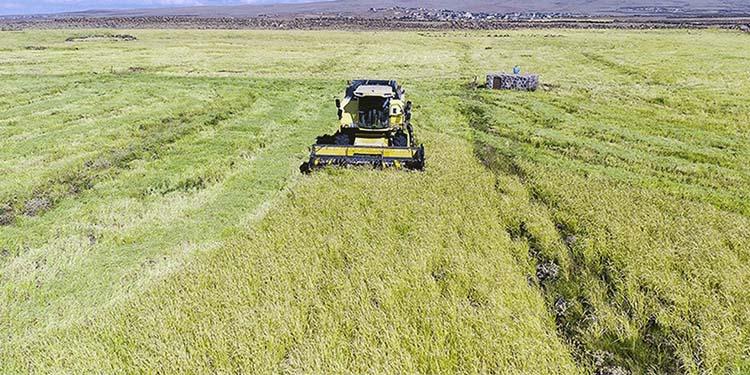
375 130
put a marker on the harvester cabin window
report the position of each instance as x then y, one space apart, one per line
373 112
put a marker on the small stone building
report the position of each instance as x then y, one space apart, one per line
505 81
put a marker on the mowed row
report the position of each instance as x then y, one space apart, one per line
599 223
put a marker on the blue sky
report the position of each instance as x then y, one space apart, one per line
54 6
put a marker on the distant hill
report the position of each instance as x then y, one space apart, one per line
362 8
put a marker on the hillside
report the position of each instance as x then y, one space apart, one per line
152 218
362 8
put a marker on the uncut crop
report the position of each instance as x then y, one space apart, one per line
152 218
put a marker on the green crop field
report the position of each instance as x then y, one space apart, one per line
152 217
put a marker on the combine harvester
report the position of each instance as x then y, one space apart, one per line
375 130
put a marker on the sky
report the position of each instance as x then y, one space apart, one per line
11 7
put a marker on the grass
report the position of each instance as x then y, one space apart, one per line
600 224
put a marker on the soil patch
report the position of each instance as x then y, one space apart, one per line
6 215
36 206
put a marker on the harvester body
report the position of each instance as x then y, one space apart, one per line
375 129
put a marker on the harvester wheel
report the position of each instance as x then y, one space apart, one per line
343 139
325 140
400 140
305 168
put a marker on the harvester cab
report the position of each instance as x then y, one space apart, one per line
374 129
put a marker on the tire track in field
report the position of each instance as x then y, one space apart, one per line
239 199
50 93
703 179
557 275
563 280
565 276
154 137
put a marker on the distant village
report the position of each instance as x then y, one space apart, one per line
424 14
